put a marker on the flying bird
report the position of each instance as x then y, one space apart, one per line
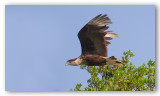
94 41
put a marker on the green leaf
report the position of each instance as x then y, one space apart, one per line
125 78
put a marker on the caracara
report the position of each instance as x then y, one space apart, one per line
93 38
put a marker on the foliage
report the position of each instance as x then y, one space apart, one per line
125 78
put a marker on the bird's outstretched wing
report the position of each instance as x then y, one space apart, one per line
93 36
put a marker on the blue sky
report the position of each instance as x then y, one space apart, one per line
40 39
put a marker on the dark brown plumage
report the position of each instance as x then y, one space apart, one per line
94 60
93 38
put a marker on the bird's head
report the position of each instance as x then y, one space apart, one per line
73 62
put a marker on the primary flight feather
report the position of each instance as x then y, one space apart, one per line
94 41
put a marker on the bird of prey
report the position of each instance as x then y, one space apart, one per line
93 38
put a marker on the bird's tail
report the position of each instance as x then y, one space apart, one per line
114 63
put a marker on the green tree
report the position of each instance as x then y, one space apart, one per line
125 78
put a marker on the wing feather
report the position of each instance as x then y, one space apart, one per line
93 36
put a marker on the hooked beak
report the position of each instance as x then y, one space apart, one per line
67 64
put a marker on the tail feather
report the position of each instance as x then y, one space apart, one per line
114 62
